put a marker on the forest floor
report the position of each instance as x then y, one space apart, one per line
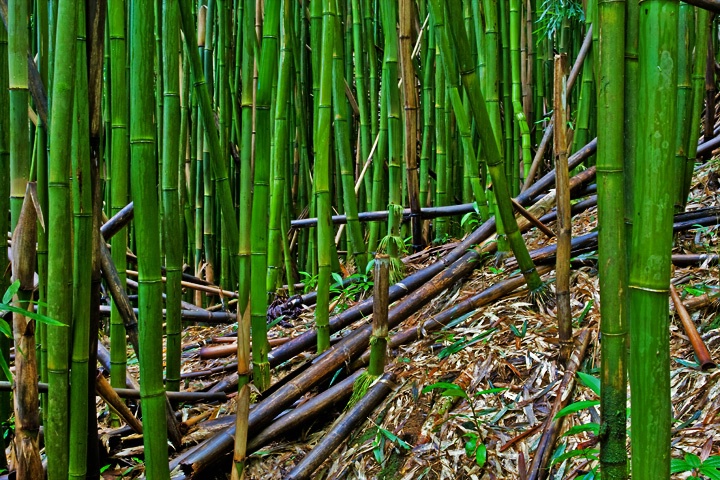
509 346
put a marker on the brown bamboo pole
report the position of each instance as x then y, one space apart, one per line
220 351
113 400
534 221
345 426
701 351
553 426
562 266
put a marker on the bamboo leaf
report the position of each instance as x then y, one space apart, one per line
589 453
588 427
593 383
677 466
5 368
11 291
576 407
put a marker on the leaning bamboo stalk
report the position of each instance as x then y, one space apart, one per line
553 425
112 399
196 286
345 426
704 358
229 349
417 279
562 266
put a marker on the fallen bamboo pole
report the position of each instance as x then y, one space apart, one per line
112 399
354 417
220 351
552 425
701 351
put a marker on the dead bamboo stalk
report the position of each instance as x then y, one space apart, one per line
562 186
552 425
343 428
113 400
220 351
701 351
541 226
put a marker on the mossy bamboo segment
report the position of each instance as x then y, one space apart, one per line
82 260
60 256
145 195
651 240
267 71
612 241
170 184
702 30
119 173
494 160
322 178
27 414
562 266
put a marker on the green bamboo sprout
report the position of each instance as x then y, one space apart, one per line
60 256
494 160
119 168
170 186
267 70
612 240
651 240
143 167
322 176
82 261
698 84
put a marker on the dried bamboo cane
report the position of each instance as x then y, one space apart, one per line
344 427
553 426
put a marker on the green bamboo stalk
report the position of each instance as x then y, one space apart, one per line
494 159
60 256
119 169
361 89
267 71
170 195
516 91
82 262
342 141
441 224
208 184
279 164
5 407
632 15
204 100
612 240
651 240
698 84
18 46
427 104
143 166
686 30
322 176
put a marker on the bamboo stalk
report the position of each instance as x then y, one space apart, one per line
112 399
562 266
701 351
552 425
344 427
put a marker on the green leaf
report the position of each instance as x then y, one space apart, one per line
588 427
5 328
35 316
481 455
677 466
394 438
338 278
5 368
491 390
450 389
12 290
709 471
576 407
588 453
593 383
471 445
695 292
713 461
693 460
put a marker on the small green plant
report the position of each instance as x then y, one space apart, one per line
309 280
471 219
382 436
474 447
520 333
699 469
553 12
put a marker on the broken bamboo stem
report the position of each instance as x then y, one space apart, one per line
701 351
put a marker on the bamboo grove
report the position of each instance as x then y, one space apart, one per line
249 140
